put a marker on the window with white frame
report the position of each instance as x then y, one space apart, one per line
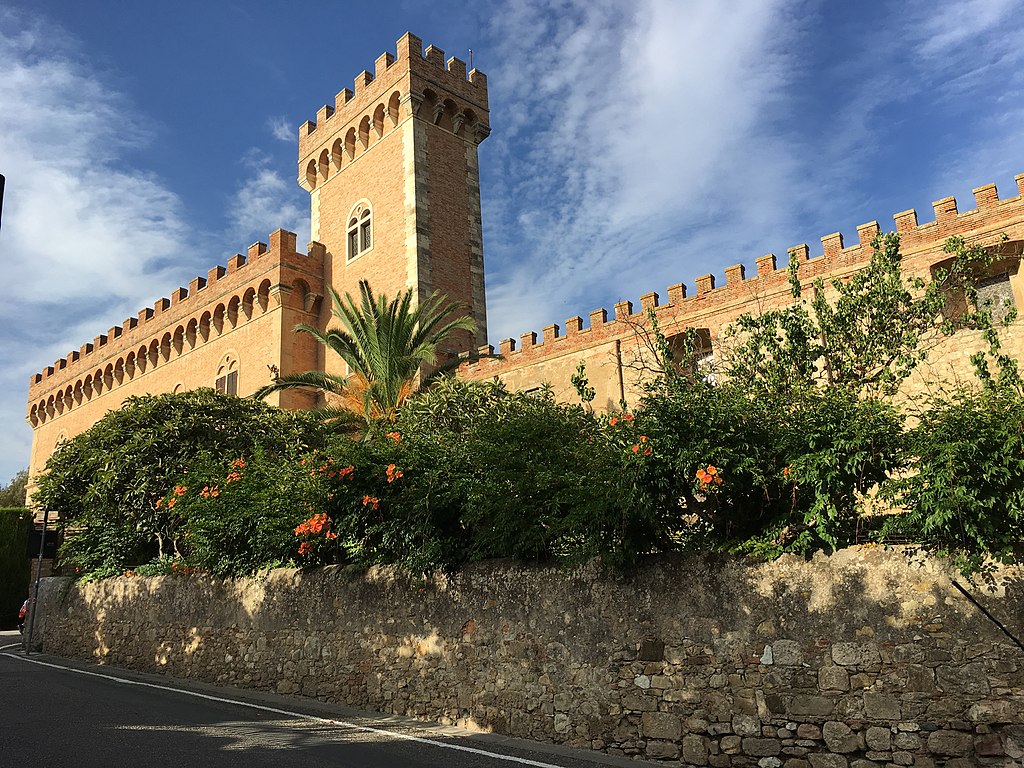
360 230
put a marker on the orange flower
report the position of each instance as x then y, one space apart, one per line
346 472
233 477
238 463
331 535
393 473
371 501
396 436
787 473
613 421
171 503
627 417
636 448
179 490
159 503
709 476
647 451
305 548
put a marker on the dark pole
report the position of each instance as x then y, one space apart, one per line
2 182
35 595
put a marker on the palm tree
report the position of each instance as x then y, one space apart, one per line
385 345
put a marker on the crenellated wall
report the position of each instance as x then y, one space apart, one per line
403 146
609 345
864 659
241 315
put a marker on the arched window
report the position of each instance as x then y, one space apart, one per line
360 230
227 376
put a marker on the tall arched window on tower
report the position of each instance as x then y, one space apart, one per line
227 375
360 230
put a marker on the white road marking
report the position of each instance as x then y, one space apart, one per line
12 645
297 715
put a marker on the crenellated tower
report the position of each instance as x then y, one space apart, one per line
394 180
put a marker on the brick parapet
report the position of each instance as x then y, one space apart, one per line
263 266
412 70
921 244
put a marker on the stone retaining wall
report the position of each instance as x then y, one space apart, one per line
865 658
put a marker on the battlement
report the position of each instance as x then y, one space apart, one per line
241 272
983 225
390 72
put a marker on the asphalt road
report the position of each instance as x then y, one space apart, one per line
55 712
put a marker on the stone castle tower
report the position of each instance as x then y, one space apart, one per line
394 182
394 188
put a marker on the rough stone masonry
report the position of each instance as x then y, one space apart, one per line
865 658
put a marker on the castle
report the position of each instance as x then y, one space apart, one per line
392 173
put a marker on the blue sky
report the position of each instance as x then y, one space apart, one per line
635 143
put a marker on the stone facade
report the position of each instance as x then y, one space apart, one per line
865 658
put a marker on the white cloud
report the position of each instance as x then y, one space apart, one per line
640 129
282 129
266 200
85 238
950 26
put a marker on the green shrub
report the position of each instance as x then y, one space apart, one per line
964 495
789 471
484 473
106 481
15 523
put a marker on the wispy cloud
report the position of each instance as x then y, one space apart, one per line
83 231
281 129
953 26
641 130
266 200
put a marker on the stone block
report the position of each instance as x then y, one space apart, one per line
826 760
746 725
662 750
1014 746
968 679
949 742
761 747
816 706
903 758
903 740
661 725
787 653
561 723
796 762
878 739
879 706
808 731
855 654
989 745
833 678
731 745
694 750
769 762
839 737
